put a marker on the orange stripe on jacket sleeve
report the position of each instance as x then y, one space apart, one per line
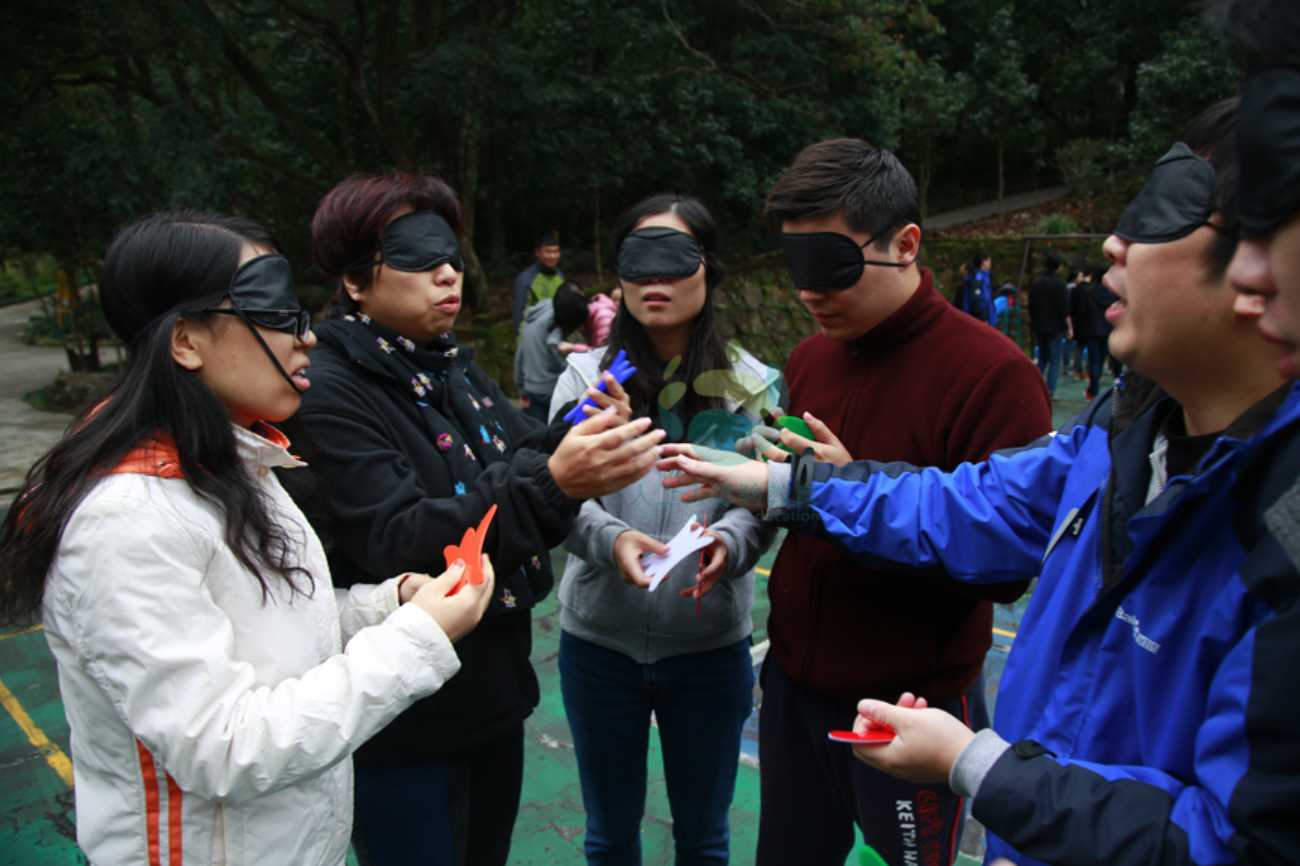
174 853
150 775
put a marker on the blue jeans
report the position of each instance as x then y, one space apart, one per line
700 701
454 811
1096 358
539 406
1049 357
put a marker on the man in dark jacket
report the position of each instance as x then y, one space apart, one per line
1049 316
1088 304
898 373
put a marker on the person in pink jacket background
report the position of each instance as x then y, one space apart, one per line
600 316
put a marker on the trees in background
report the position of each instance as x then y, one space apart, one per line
557 114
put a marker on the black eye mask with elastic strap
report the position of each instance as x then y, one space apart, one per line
1177 200
658 253
1268 145
262 289
262 293
414 242
827 261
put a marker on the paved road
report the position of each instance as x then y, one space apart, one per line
990 208
25 434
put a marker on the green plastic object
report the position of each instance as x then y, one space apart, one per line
797 425
867 856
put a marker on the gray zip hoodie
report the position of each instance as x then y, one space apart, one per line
597 606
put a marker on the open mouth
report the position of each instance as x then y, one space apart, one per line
300 377
654 296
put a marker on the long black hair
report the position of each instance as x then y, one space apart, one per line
157 270
707 350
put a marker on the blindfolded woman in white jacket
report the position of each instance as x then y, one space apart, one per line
214 682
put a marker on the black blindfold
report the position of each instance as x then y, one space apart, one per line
827 261
1268 145
261 293
658 253
418 241
1177 199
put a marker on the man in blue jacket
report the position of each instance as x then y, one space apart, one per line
1148 712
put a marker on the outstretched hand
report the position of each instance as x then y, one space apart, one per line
926 744
741 483
456 614
594 458
826 446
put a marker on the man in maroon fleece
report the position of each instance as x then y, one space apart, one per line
896 374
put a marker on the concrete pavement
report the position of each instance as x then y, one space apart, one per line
25 433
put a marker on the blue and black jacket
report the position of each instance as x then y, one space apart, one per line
975 296
1152 692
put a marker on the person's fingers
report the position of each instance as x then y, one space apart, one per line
776 455
631 437
483 592
795 442
594 424
694 471
446 582
637 467
881 713
673 449
699 494
613 388
713 570
600 398
632 572
820 431
702 587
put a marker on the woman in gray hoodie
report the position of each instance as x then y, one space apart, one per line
680 651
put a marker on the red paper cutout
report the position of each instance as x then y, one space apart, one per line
470 550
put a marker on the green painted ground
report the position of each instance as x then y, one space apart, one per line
37 809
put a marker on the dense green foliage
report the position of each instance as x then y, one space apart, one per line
557 114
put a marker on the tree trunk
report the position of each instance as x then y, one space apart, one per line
1001 173
600 270
475 280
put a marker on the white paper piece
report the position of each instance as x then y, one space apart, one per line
687 541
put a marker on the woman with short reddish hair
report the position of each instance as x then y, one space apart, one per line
417 443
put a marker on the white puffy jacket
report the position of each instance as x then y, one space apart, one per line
210 726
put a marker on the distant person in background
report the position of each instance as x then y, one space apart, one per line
544 344
1091 327
975 294
1072 357
1049 316
1003 302
601 311
1076 287
539 280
